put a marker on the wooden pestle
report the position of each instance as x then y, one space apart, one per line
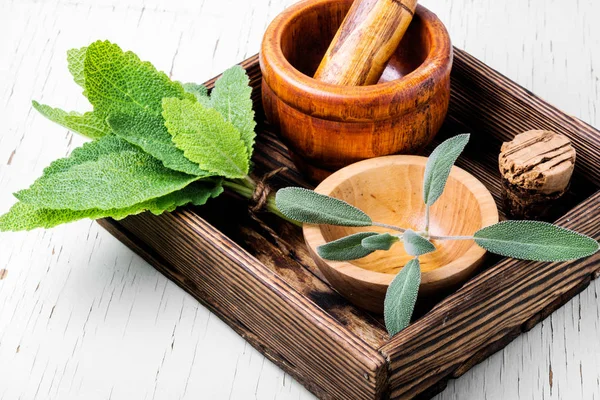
364 43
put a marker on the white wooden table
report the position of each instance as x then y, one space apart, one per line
82 317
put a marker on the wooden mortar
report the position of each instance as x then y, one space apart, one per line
367 39
536 168
327 126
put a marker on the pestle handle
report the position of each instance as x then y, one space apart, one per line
366 40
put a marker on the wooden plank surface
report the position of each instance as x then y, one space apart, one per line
82 317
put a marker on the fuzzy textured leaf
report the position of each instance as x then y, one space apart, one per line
200 91
90 151
401 297
206 138
383 241
231 97
346 248
309 207
108 173
24 217
117 81
534 240
75 61
439 165
150 133
415 244
89 124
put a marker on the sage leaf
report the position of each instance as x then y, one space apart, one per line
90 151
439 165
309 207
206 138
536 241
24 217
118 81
75 63
108 173
383 241
401 297
231 97
89 124
200 91
415 244
346 248
150 133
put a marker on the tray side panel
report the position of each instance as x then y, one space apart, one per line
278 321
488 312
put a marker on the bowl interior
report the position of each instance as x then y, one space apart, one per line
392 194
306 38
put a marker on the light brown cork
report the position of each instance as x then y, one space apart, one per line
536 168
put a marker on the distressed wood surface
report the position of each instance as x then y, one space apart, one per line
82 317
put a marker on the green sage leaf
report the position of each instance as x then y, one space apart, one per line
401 297
200 91
118 81
534 240
206 138
346 248
231 97
439 165
309 207
415 244
75 63
24 217
383 241
108 173
150 133
89 124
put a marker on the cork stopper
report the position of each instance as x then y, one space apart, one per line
536 168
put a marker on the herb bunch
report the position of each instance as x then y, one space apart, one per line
156 144
527 240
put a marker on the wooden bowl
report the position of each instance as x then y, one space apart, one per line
389 190
328 126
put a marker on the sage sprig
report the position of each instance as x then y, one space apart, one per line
526 240
156 144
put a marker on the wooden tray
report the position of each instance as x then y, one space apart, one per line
280 303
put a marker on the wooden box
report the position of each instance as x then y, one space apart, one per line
275 297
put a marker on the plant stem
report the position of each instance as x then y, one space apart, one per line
249 182
435 237
427 218
242 188
238 188
392 227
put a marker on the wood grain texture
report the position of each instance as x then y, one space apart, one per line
385 189
84 317
366 40
329 126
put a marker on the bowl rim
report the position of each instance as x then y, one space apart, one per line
437 277
382 100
